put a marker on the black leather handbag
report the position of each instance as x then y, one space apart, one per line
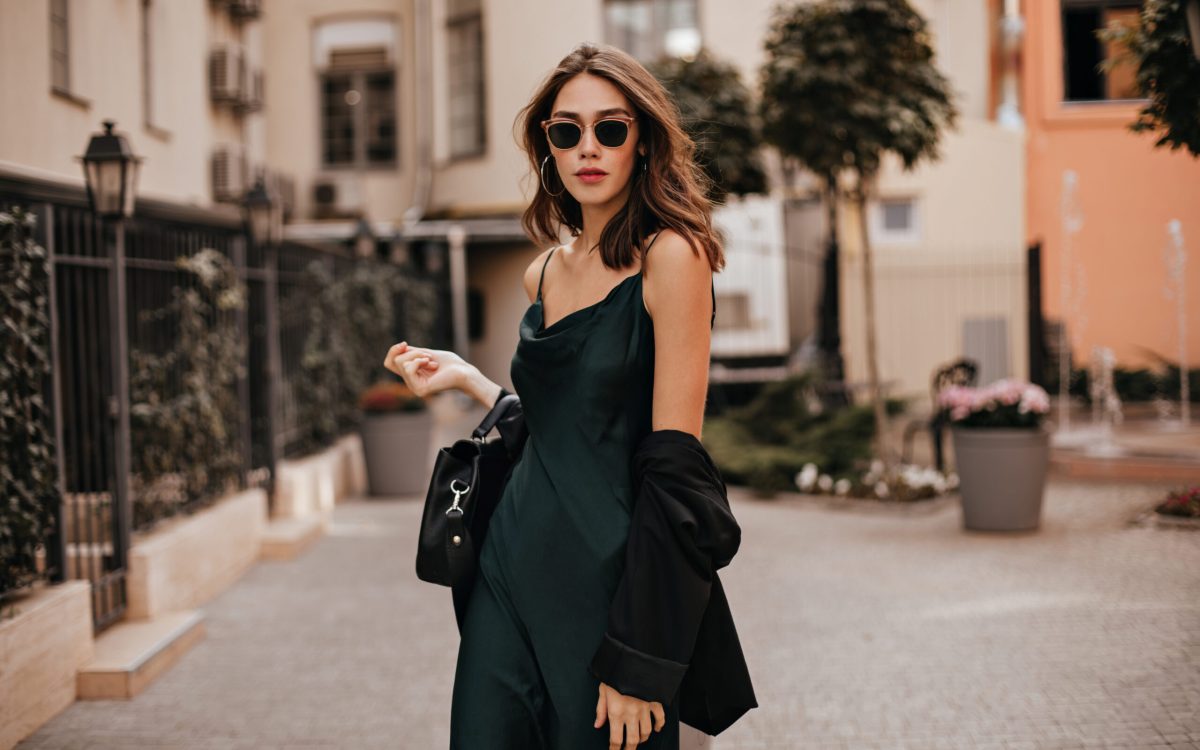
464 489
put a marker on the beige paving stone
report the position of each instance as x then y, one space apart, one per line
862 628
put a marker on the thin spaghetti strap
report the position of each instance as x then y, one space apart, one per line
543 276
712 321
656 234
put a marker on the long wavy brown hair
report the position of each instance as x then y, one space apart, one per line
670 194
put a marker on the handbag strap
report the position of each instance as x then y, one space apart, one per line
494 416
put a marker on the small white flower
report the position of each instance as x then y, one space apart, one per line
825 482
881 489
806 477
841 486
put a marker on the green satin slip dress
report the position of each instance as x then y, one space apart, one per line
553 555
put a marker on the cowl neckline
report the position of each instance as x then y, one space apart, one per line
536 330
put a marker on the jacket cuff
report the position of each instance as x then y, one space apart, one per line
636 673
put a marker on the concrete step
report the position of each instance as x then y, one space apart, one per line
132 653
286 538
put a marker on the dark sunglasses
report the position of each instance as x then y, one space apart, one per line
611 132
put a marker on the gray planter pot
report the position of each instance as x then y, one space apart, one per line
1002 476
396 450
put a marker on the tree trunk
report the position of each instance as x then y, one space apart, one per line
882 435
828 313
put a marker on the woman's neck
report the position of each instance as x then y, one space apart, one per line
595 218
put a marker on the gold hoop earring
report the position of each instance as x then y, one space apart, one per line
542 177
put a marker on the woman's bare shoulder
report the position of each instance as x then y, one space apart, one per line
533 272
675 270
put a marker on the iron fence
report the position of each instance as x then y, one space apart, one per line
120 330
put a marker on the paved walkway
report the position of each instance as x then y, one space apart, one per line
881 629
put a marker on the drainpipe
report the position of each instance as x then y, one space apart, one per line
423 173
457 237
1012 27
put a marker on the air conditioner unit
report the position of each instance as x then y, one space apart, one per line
242 10
228 173
226 74
251 96
336 196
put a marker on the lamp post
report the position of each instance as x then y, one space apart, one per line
263 215
364 239
110 170
264 223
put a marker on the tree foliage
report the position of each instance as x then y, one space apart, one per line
847 80
718 113
1168 73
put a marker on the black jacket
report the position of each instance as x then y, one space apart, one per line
670 633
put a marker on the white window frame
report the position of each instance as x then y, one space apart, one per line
881 235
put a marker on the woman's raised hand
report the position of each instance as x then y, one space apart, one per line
427 371
629 718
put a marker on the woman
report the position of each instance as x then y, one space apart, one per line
614 345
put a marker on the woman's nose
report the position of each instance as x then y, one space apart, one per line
587 141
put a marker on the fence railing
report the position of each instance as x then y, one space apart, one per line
133 443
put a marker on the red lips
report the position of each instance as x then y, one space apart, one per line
590 171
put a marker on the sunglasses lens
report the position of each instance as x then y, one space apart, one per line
563 134
612 133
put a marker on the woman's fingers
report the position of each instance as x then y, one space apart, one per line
616 735
632 733
645 726
392 353
656 709
601 709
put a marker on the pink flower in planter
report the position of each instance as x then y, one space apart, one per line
1004 403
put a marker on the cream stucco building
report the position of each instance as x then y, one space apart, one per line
402 113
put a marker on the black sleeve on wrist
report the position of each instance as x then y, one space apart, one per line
503 392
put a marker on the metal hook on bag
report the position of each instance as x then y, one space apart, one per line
457 495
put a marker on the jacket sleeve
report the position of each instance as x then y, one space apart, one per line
512 429
681 532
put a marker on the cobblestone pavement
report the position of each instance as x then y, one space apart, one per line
884 628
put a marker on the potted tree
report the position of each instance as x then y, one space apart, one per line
1001 451
396 431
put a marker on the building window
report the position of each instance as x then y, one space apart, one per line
650 29
357 93
60 48
894 221
1083 52
464 32
733 312
358 118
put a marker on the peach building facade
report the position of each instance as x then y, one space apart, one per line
1099 197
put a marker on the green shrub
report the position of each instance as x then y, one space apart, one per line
766 442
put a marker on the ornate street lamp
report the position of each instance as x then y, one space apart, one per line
364 239
262 214
110 170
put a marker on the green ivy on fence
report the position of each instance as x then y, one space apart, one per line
28 487
349 324
184 414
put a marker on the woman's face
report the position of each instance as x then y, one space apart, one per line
585 99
